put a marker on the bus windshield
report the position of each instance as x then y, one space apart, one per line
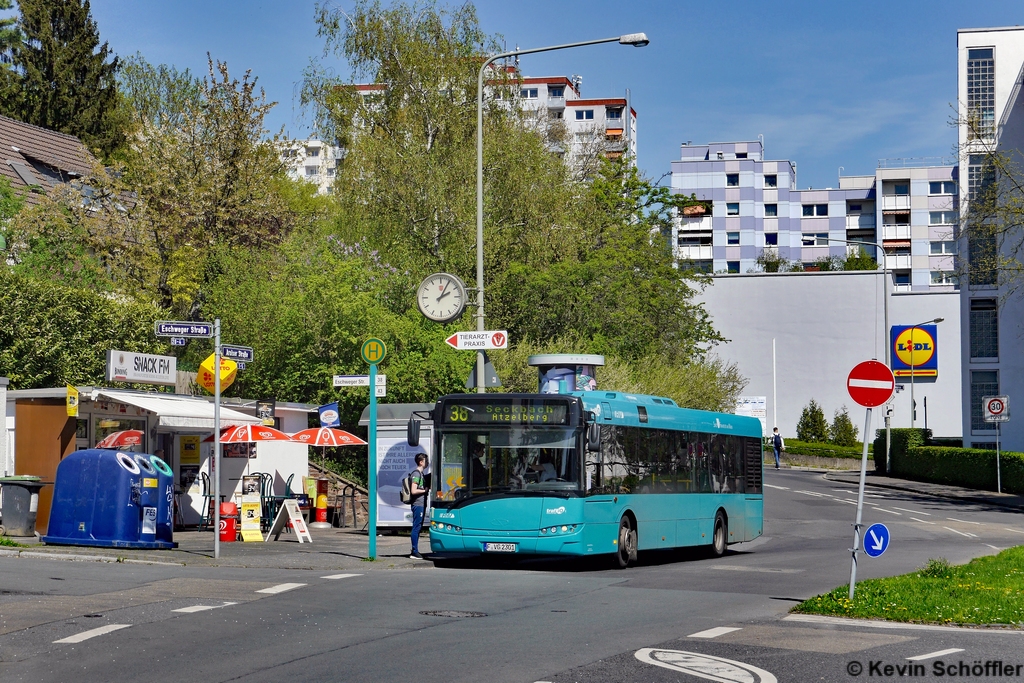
480 461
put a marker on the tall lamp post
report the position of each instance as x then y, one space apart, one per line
913 403
634 39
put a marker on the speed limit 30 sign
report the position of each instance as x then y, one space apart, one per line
996 408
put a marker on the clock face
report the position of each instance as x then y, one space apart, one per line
441 297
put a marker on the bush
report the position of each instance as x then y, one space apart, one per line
973 468
822 450
903 439
812 425
842 432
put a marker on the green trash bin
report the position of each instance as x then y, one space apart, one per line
19 501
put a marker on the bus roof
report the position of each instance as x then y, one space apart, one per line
663 413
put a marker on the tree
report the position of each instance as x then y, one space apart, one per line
812 425
842 432
62 79
10 34
769 261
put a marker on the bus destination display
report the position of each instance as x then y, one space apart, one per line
504 412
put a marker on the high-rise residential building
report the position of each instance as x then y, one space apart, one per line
313 161
990 71
752 206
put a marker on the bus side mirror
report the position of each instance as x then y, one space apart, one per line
594 438
412 432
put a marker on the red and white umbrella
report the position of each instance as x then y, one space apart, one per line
123 439
249 434
327 436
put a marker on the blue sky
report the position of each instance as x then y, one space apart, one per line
827 84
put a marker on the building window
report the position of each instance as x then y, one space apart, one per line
312 151
732 266
981 93
528 93
732 179
984 328
732 209
853 208
312 171
330 172
942 187
983 383
556 91
741 155
942 218
771 239
819 239
943 248
771 181
815 209
614 114
584 114
771 210
732 238
554 114
941 278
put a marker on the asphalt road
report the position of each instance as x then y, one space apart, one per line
675 617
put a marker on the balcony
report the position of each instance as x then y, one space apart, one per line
895 232
863 221
695 253
898 202
897 261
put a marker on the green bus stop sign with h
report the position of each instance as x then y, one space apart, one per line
373 351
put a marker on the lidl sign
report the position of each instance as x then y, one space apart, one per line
915 350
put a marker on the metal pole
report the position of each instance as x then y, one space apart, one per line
913 403
999 478
775 390
860 504
371 489
888 442
480 382
216 438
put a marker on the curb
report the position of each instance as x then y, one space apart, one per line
937 494
68 557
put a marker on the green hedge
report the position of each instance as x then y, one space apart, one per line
973 468
821 450
903 440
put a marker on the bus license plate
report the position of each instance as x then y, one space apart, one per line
499 547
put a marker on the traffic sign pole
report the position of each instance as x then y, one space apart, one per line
216 438
999 478
860 502
371 492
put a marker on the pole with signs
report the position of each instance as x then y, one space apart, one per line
871 384
373 352
216 438
996 409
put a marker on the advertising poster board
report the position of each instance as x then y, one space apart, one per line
189 444
754 406
395 459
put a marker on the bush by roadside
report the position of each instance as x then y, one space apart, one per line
821 450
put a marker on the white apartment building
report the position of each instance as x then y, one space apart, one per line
313 161
990 70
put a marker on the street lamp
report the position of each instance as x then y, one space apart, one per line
913 403
634 39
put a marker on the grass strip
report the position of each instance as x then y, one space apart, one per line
986 590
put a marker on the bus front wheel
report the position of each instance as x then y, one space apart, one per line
626 552
720 535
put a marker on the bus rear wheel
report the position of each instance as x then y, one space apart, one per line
626 553
721 533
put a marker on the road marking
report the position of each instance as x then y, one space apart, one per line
782 488
898 514
958 532
816 495
86 635
916 512
332 577
714 632
843 500
281 588
993 547
704 666
932 655
962 521
763 570
923 521
1016 531
844 490
841 621
202 608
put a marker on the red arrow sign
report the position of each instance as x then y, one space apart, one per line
483 340
870 384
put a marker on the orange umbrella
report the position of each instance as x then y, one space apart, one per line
123 439
327 436
249 434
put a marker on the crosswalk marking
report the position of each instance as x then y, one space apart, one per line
714 632
333 577
932 655
86 635
281 588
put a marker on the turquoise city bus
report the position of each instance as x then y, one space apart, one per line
590 473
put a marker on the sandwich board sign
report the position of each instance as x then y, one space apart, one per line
290 513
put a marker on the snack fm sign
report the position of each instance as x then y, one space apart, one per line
915 350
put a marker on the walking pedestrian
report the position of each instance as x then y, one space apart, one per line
418 488
778 445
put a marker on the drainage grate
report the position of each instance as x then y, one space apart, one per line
452 614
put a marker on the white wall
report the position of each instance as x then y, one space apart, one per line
823 325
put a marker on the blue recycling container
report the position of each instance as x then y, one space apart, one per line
106 498
165 504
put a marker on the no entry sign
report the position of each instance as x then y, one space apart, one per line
870 384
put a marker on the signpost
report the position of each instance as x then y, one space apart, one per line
870 384
997 409
362 381
373 352
178 328
243 354
484 340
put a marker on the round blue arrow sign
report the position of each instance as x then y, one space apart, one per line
876 540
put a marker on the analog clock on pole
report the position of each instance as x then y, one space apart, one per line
441 297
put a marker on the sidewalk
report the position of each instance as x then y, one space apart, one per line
341 549
1009 500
